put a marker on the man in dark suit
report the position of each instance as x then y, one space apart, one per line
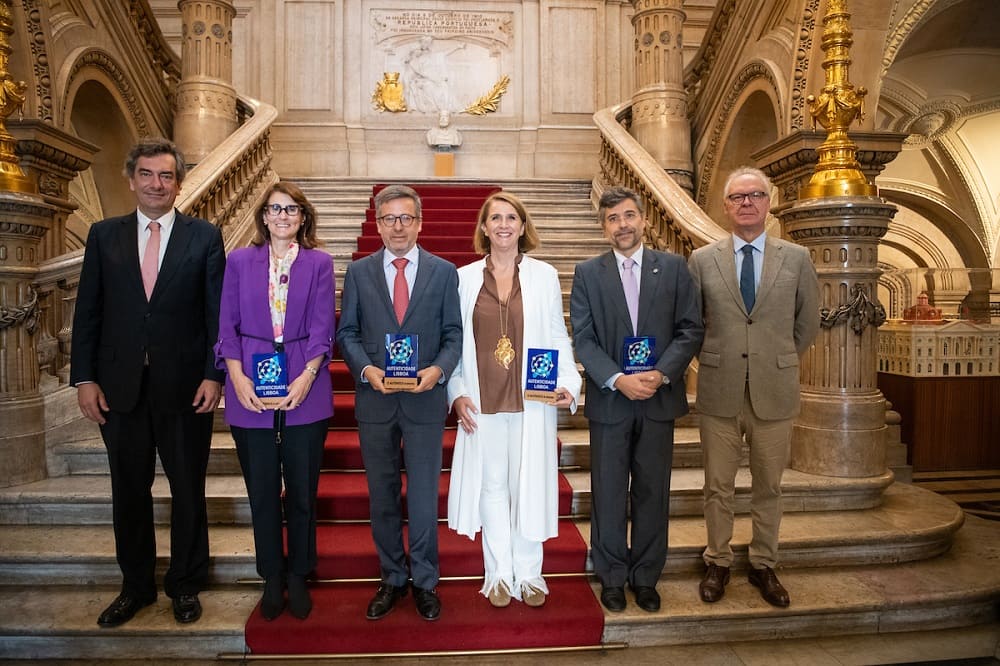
402 289
147 315
632 292
760 299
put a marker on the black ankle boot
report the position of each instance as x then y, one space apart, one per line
273 601
299 601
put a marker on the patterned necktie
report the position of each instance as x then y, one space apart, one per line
400 292
747 286
151 259
631 292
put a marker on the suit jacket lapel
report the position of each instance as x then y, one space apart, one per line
726 263
648 286
180 237
259 276
298 277
376 278
128 248
611 282
424 272
773 258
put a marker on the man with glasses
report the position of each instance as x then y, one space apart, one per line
402 290
760 301
147 315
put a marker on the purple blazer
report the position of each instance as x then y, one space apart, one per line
245 316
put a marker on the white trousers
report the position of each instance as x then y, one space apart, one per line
508 557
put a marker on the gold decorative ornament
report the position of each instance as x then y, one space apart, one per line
504 353
388 95
838 172
12 178
489 102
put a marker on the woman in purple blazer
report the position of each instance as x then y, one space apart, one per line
277 324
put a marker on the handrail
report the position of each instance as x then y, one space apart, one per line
676 222
225 187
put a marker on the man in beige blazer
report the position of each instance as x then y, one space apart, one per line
760 303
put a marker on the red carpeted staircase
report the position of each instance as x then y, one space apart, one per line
347 567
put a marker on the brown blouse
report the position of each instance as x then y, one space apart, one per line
499 389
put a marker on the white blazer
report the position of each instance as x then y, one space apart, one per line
535 505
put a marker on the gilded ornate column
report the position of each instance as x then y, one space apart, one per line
206 100
24 219
839 218
659 104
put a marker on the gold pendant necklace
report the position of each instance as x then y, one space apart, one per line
504 353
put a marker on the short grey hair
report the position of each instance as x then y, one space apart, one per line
747 171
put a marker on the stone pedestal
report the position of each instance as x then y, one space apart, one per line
205 114
24 220
841 430
444 164
659 105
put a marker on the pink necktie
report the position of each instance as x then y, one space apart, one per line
400 291
631 292
151 258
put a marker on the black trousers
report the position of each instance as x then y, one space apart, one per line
183 441
297 460
630 475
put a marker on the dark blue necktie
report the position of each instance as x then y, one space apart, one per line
747 287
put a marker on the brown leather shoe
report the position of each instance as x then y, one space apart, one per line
770 587
713 583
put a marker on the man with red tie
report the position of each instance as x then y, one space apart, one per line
147 315
402 290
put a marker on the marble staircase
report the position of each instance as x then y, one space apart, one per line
861 557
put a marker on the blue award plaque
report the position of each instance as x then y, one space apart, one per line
637 354
543 373
400 361
270 378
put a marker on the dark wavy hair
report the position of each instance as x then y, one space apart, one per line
151 147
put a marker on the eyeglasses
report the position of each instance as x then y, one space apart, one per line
274 210
390 220
737 198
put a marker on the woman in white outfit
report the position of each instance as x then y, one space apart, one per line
504 476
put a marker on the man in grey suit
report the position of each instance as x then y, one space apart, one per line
647 296
402 289
760 301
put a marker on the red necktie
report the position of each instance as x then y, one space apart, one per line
400 292
151 258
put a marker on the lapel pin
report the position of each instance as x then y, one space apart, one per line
655 271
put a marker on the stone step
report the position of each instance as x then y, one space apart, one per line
89 457
911 524
933 597
86 499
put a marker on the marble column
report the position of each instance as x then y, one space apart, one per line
841 429
24 221
659 104
206 100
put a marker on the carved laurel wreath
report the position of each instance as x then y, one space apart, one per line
27 313
861 311
489 102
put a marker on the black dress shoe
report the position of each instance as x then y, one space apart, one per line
384 600
272 603
187 608
646 598
713 583
613 598
299 602
121 610
428 604
770 587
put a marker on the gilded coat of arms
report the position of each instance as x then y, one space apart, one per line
388 95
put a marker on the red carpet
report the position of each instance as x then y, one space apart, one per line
467 622
348 565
